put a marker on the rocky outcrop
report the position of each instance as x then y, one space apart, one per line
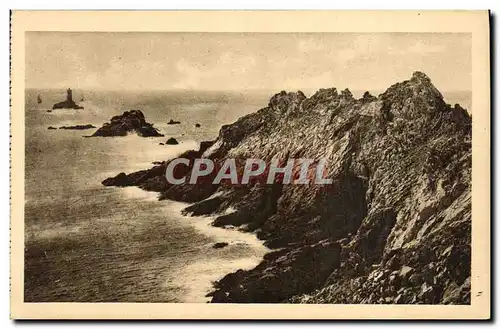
127 123
367 97
393 227
68 103
173 122
171 141
220 245
154 179
78 127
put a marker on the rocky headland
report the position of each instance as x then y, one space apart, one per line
127 123
395 225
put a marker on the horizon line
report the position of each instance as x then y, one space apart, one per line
222 90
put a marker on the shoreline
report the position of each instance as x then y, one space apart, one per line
244 250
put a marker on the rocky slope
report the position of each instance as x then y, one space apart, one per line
395 225
129 122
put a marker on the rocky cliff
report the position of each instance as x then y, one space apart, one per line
395 225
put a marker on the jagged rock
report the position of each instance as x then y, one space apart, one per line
68 103
129 122
119 180
406 272
457 294
154 179
78 127
205 145
171 141
346 93
296 271
367 97
220 245
173 122
401 196
415 279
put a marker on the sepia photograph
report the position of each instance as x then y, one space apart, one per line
304 168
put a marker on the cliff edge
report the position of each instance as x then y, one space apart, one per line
393 227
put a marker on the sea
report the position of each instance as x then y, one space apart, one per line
88 243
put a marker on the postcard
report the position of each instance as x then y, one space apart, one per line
250 165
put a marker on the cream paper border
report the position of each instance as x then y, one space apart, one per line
475 22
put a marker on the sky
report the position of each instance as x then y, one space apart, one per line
242 61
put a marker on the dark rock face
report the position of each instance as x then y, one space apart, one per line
51 128
119 180
171 141
128 122
367 97
78 127
68 103
282 275
173 122
395 225
220 245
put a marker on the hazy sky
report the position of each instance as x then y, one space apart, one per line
235 61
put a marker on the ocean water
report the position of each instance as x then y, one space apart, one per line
88 243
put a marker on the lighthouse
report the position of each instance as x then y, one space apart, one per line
69 96
68 103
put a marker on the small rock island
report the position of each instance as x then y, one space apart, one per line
129 122
78 127
171 141
68 103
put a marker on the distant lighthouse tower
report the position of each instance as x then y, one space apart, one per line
68 103
69 95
